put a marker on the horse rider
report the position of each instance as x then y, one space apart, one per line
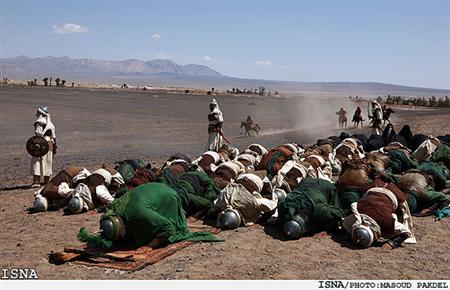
215 118
42 166
342 117
357 117
377 117
386 114
250 122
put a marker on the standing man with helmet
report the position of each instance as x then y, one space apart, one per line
42 166
215 119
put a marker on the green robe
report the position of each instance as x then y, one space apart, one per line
197 191
348 197
153 210
437 171
418 201
316 198
442 154
400 162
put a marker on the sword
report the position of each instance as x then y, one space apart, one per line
41 167
368 110
223 136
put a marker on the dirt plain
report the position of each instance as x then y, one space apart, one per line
105 126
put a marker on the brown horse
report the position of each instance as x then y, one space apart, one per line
342 118
250 127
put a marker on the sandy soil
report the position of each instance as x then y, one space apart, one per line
96 126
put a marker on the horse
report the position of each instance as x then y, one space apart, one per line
386 114
342 122
250 127
342 118
358 119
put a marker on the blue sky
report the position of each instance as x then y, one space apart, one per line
401 42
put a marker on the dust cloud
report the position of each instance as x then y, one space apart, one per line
317 114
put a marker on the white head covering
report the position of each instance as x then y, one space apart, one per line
214 155
279 178
254 178
249 157
43 111
318 158
215 104
235 166
262 148
217 111
350 141
43 118
105 174
292 147
376 105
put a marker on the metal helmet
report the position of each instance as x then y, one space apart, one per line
363 236
294 228
336 169
40 204
75 204
112 228
230 219
446 173
280 193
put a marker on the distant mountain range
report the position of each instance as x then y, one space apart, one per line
50 65
168 73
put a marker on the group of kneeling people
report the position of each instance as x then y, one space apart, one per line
337 184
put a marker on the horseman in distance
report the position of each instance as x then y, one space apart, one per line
250 125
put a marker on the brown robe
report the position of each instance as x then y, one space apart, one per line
205 163
379 206
285 155
51 189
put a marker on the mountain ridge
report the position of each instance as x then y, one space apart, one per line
65 65
167 72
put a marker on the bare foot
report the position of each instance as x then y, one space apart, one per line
320 235
35 185
386 247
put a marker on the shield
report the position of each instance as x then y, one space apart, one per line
37 146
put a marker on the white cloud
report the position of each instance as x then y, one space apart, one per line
156 36
207 58
162 55
69 28
284 67
263 63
